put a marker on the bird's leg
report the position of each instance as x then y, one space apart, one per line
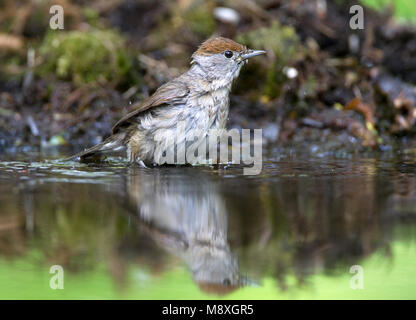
134 158
139 161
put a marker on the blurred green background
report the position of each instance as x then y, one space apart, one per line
383 279
403 9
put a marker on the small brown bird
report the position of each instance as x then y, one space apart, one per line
199 99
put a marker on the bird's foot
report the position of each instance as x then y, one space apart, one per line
140 162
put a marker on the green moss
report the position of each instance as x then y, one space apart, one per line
285 46
85 57
274 79
91 16
200 20
282 40
189 19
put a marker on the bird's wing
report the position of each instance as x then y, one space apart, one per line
169 93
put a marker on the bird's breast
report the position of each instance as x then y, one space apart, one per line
215 105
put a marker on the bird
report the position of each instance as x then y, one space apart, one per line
198 99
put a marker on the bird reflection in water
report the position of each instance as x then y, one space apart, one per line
186 216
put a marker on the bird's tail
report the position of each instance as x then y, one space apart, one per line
112 144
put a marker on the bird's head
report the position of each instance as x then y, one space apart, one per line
221 58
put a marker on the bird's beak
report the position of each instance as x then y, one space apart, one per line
251 54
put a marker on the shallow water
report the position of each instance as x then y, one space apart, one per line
294 231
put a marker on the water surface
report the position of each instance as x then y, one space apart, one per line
294 231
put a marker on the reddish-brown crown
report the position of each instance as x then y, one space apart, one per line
219 45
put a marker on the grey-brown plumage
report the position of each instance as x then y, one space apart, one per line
198 99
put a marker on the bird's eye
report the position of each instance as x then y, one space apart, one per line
228 53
